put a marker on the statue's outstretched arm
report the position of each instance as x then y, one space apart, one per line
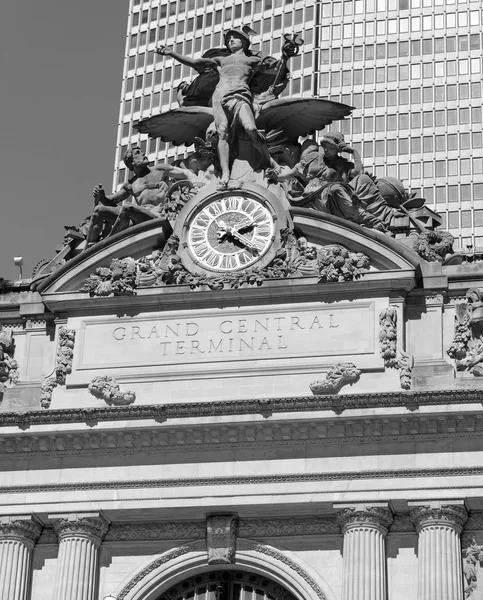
174 172
194 63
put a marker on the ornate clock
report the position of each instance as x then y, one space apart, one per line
232 230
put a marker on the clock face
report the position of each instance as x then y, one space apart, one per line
230 233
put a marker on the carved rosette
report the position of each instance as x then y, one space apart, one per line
221 534
439 550
17 539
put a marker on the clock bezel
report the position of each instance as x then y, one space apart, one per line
210 194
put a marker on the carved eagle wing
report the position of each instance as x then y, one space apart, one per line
178 126
300 116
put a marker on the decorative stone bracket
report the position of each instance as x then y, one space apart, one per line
221 535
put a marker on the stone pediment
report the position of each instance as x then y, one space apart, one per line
390 263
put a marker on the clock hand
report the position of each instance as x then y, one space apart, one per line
245 225
245 241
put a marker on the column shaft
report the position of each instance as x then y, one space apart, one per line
77 567
364 553
17 539
440 573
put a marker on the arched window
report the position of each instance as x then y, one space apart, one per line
227 585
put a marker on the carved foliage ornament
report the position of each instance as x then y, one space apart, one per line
8 365
23 528
472 563
106 388
467 345
388 347
221 534
335 379
296 258
92 527
65 355
449 514
373 516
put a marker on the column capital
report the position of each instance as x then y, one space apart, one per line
452 514
92 526
355 516
22 528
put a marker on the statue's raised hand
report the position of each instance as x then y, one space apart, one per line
347 149
163 50
99 195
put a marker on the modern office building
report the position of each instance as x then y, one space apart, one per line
411 68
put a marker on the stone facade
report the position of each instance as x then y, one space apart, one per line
159 437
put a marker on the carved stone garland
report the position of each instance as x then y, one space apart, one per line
106 388
335 379
388 347
296 258
467 346
65 355
8 365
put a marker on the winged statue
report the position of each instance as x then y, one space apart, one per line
236 95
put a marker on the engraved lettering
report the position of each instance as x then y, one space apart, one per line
226 328
257 322
242 326
195 345
280 341
164 345
316 322
171 330
278 319
121 335
192 329
217 348
264 345
331 323
295 321
180 347
244 343
153 332
135 331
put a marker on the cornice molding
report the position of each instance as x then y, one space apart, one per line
264 406
150 440
245 480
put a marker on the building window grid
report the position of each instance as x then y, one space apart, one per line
470 66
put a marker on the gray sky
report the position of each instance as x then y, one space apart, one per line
61 68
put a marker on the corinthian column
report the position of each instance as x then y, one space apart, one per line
79 539
17 538
439 527
364 530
